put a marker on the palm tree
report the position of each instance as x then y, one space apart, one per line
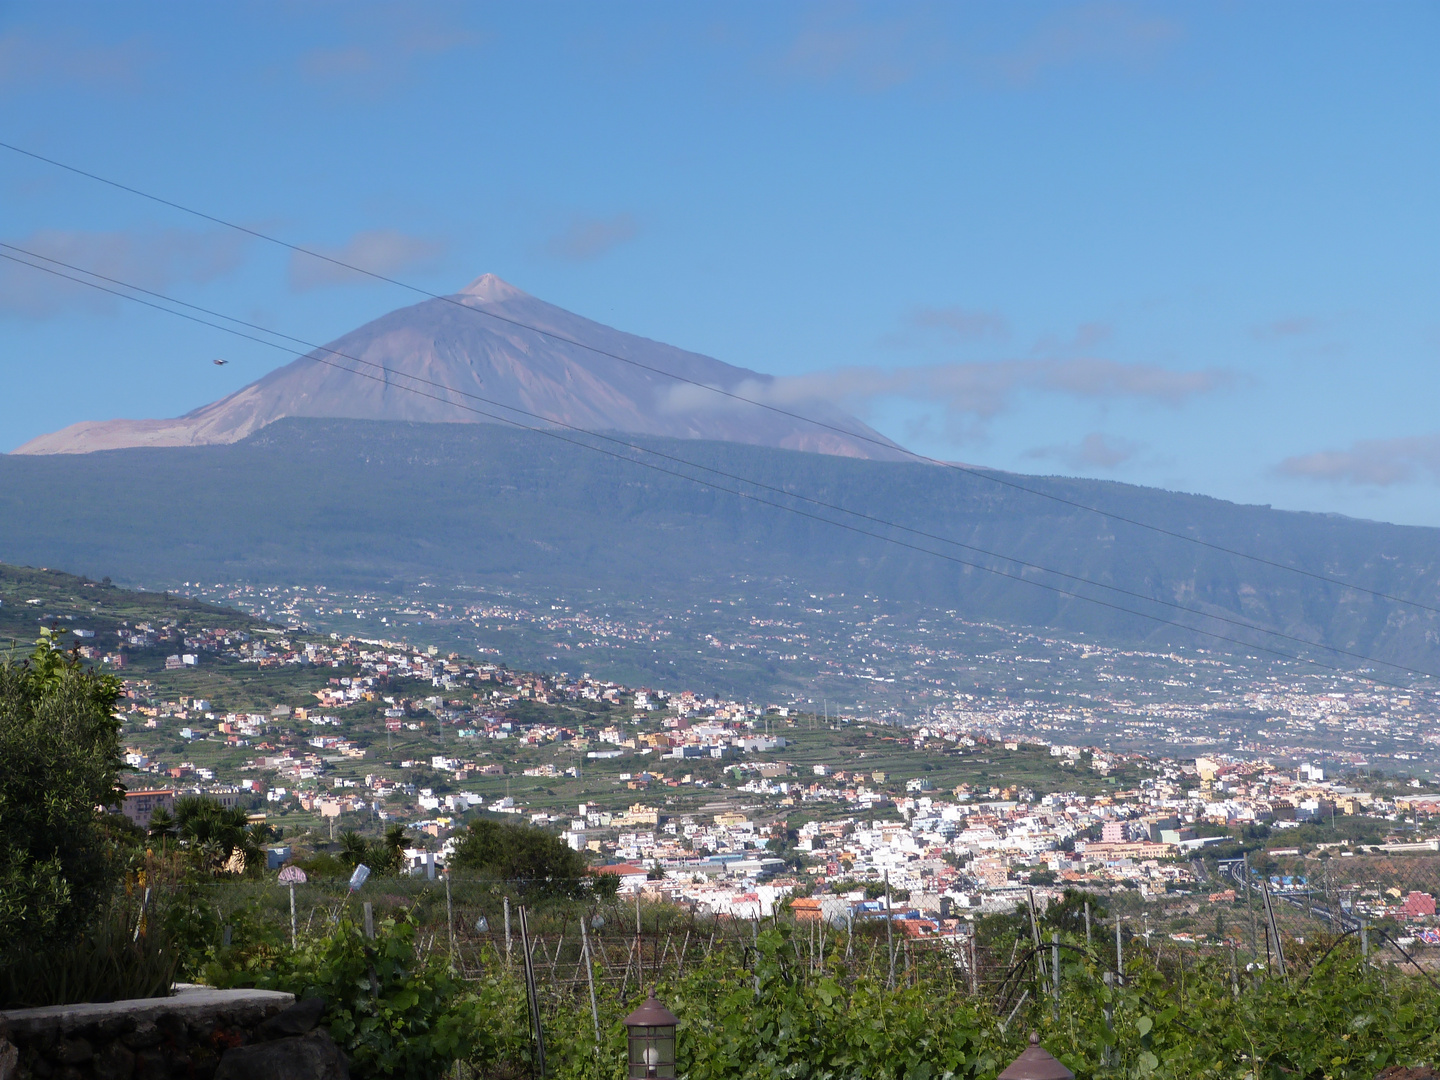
217 836
162 826
394 846
353 848
257 835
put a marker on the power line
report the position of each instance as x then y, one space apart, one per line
384 378
391 373
971 470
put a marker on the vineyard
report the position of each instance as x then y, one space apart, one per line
421 975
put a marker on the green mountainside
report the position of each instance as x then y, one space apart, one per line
384 505
33 598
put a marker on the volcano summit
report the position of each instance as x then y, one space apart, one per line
491 353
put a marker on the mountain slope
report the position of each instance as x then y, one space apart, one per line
419 364
361 504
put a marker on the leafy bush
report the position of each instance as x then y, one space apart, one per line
770 1009
394 1011
61 755
109 962
771 1021
383 857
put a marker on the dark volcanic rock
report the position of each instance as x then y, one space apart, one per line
296 1020
299 1057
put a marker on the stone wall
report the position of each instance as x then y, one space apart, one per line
198 1034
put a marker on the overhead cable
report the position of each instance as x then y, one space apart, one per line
393 374
992 476
385 376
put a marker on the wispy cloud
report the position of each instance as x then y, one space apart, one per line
32 61
969 393
837 45
387 44
846 45
1096 33
152 260
958 323
1370 462
381 251
1095 451
1292 327
589 238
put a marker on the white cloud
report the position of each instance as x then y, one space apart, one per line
1370 462
870 55
841 45
31 61
959 323
589 238
151 260
387 44
1096 33
380 251
1095 451
967 394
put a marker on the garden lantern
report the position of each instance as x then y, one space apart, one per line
652 1041
1034 1064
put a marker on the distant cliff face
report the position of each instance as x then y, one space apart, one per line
419 364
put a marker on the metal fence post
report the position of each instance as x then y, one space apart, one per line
889 933
1055 963
1250 907
1119 954
1109 1014
450 916
590 978
532 993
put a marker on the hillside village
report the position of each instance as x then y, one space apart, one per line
728 805
714 803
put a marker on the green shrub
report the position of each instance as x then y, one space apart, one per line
395 1012
109 962
60 758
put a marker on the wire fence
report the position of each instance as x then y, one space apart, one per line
1273 924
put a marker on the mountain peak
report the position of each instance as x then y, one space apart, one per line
491 287
536 360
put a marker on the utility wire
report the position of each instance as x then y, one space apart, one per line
383 378
984 474
392 373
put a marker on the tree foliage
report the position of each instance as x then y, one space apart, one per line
530 858
384 857
219 839
60 760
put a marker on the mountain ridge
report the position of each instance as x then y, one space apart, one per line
367 502
442 361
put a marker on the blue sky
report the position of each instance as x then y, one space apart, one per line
1192 246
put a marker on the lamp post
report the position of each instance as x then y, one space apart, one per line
651 1030
1034 1064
